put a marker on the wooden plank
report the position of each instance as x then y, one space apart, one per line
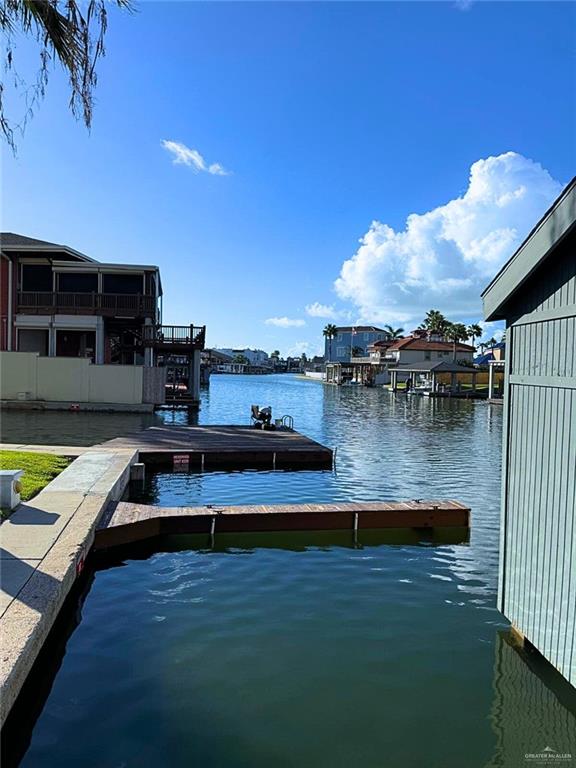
226 446
125 522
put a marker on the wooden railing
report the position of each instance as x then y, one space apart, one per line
110 304
174 336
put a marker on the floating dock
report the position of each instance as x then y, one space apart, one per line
124 523
45 542
226 447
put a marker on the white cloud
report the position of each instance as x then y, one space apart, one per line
308 348
492 330
444 258
183 155
321 310
285 322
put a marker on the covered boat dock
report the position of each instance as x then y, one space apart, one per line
437 378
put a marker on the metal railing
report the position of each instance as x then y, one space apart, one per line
110 304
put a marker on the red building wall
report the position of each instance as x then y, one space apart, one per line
4 293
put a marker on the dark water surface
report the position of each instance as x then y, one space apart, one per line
305 651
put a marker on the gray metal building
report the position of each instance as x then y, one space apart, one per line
535 293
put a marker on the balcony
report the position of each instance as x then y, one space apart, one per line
105 304
174 339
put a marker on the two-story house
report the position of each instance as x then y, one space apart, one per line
58 302
383 356
420 347
351 341
61 303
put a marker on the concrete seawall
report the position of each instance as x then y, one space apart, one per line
43 546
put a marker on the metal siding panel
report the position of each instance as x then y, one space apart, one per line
540 578
506 427
511 521
545 641
557 544
567 656
563 533
533 581
537 582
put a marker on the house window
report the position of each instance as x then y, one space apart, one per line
339 337
117 283
37 277
78 282
75 344
427 355
341 351
33 340
366 337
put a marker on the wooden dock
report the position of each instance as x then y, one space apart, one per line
126 523
226 447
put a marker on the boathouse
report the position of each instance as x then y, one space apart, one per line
535 293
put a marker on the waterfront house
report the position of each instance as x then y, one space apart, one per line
61 303
56 302
535 293
351 341
255 357
374 366
421 346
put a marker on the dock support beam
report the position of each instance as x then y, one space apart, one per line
138 472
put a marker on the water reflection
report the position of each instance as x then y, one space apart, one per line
533 708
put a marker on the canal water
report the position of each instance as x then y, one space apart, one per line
305 650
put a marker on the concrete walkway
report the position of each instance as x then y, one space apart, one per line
42 549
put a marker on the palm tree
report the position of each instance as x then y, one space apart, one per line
456 332
68 30
435 322
329 333
474 331
394 333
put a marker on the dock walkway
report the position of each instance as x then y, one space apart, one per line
125 523
207 447
226 446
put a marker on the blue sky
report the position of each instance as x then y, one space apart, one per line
326 117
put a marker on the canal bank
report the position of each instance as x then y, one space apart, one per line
43 547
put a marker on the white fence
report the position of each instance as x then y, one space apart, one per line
28 376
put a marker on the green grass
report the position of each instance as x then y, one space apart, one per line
39 469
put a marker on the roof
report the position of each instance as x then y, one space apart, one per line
11 241
384 343
419 344
557 222
438 366
484 359
98 265
359 328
